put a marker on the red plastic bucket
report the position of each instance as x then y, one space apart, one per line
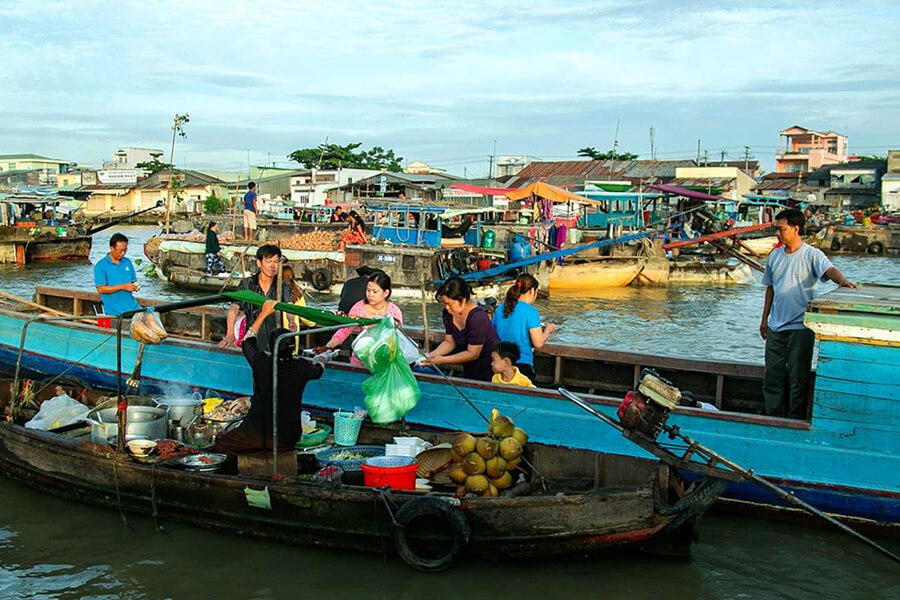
395 472
104 323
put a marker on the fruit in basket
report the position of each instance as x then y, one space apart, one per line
510 448
473 464
464 444
501 427
502 482
495 467
477 484
458 475
520 435
487 447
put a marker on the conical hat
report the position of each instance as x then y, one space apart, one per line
435 463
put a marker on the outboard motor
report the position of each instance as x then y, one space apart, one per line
647 409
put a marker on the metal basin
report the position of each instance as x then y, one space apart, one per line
144 422
183 410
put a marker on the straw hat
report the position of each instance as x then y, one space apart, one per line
435 463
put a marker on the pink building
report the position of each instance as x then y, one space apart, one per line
802 150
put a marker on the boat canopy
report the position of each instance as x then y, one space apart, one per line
687 193
548 192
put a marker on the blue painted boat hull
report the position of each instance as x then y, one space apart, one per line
837 465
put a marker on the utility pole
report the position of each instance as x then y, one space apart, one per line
652 143
615 147
746 158
698 153
491 164
706 158
722 160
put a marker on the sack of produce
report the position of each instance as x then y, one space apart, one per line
392 390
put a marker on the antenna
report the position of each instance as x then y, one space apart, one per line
652 143
616 141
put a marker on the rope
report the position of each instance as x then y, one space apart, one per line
73 365
155 512
118 493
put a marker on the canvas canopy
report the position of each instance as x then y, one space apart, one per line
548 192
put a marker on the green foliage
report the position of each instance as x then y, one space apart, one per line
178 124
213 205
871 157
333 156
595 154
155 165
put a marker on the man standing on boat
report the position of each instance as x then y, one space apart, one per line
115 278
791 275
250 211
268 261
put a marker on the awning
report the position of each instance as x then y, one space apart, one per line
548 192
477 189
680 191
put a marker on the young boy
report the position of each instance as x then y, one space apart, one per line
503 363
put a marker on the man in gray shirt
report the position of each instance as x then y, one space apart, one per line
791 275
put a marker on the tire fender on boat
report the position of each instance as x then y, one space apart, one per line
876 248
430 507
320 279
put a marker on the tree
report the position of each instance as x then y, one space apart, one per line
333 156
155 165
213 205
595 154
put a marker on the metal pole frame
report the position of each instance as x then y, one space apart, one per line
278 341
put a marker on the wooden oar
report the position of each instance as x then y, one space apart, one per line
25 302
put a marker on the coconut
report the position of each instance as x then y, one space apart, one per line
487 447
477 484
455 457
512 464
464 444
473 464
502 482
501 427
493 492
461 490
520 435
495 467
458 475
510 448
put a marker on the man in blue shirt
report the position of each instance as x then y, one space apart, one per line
792 272
116 279
250 211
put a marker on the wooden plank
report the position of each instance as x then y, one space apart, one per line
869 298
76 306
557 370
720 389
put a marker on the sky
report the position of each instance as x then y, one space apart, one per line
450 83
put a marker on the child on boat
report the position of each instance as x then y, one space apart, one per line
503 363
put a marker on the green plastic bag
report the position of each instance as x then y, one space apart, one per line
392 390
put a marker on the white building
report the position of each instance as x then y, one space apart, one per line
128 158
312 187
511 165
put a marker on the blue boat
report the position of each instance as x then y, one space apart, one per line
844 460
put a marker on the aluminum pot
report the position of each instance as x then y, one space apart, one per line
183 410
144 422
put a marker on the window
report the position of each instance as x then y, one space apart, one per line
12 166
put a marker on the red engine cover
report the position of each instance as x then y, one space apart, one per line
630 398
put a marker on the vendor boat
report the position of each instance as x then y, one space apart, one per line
843 459
695 269
587 274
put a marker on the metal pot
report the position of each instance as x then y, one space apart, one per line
144 422
183 410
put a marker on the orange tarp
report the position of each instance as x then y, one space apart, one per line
549 192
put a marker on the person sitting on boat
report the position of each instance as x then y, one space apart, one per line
116 279
470 338
792 272
518 321
255 432
354 289
213 250
337 215
268 261
356 231
376 304
503 364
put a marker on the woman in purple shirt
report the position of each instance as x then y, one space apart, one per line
470 337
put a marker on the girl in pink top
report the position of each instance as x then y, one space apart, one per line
376 304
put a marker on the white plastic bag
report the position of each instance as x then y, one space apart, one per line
57 412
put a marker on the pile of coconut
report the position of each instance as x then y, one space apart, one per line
483 464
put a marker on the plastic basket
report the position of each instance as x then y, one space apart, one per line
346 429
326 457
314 439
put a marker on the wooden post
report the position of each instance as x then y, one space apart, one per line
425 332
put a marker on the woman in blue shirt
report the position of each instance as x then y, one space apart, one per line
518 321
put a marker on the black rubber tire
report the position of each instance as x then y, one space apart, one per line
835 245
320 279
435 508
876 248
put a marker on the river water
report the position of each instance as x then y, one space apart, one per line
50 548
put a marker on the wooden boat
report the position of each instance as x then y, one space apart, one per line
700 270
842 459
584 275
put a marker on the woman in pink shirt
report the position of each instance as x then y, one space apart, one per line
376 304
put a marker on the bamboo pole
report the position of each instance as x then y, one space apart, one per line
425 333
